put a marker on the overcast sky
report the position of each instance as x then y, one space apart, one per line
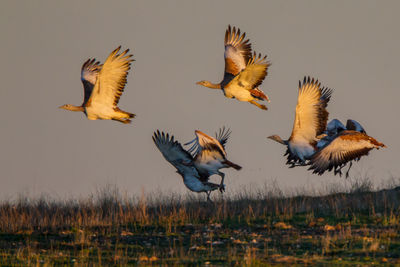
350 46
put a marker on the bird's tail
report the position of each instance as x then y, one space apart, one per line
257 93
231 164
124 114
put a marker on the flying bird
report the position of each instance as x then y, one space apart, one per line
342 147
183 161
244 70
209 154
103 86
309 124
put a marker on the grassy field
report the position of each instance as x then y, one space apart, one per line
252 228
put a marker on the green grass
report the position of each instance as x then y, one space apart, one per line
360 227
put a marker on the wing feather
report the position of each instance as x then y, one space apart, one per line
252 76
89 72
347 146
172 150
204 142
223 135
237 51
111 79
311 114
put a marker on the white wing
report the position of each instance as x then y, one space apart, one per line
311 114
89 72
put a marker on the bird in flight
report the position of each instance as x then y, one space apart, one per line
183 161
244 70
103 86
209 154
309 124
342 145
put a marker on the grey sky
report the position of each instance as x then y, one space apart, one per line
350 46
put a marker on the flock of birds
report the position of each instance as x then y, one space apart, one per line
313 142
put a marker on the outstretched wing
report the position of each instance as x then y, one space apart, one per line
174 153
237 51
347 146
89 72
311 114
223 136
252 76
111 79
172 150
205 143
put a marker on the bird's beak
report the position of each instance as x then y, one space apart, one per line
62 106
199 83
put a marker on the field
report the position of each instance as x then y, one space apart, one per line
253 228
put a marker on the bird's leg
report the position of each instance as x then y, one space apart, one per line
208 196
347 173
258 105
221 185
338 170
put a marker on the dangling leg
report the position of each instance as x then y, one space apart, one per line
347 173
221 185
258 105
338 170
208 196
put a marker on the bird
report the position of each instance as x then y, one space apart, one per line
183 161
103 85
209 154
344 146
244 70
309 124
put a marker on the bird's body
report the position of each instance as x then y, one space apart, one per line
341 146
103 86
184 163
210 155
244 71
310 122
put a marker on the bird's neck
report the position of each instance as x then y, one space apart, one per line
213 85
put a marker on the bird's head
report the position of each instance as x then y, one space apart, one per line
277 138
204 83
72 107
66 106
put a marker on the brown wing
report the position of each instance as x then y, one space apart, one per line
252 76
347 146
237 51
111 79
311 114
90 70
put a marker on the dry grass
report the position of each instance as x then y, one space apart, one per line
248 228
